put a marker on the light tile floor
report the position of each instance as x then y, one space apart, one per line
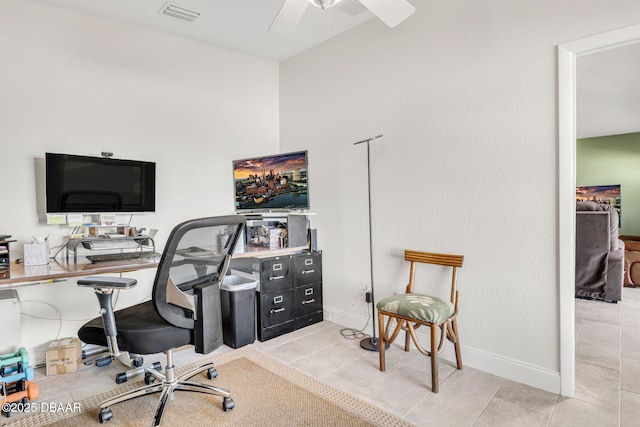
607 376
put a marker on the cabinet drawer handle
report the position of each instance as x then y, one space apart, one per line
309 301
277 310
308 271
276 277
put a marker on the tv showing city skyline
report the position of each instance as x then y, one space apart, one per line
603 194
275 182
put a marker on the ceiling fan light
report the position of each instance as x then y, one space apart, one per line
323 4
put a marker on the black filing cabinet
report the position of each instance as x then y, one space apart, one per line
307 288
275 298
290 293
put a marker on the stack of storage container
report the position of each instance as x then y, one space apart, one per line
17 387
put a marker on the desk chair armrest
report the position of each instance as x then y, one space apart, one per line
104 287
99 282
208 317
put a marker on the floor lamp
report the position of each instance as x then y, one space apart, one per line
370 343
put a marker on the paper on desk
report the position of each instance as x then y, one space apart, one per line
108 219
74 220
56 219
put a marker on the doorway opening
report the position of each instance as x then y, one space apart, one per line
567 54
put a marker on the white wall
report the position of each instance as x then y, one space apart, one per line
76 84
465 95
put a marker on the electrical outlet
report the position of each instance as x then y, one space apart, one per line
367 296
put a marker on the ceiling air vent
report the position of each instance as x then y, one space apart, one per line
175 11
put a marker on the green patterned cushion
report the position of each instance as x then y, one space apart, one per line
417 306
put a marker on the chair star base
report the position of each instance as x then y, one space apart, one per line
166 387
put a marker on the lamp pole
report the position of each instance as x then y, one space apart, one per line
370 343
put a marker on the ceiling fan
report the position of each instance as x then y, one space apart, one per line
391 12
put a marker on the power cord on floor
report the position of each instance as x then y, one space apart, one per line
352 333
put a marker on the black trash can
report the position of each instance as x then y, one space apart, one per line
238 303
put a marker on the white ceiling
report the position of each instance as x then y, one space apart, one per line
608 92
239 25
608 84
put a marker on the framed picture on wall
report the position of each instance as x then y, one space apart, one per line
604 194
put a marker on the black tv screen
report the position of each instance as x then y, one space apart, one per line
277 182
82 184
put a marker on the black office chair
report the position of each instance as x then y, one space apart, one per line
185 309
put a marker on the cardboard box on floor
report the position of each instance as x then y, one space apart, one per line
63 356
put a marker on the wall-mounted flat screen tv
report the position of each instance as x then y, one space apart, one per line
82 184
603 194
277 182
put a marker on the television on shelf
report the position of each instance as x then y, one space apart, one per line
83 184
277 182
602 194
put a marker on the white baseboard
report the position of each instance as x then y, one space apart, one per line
511 369
492 363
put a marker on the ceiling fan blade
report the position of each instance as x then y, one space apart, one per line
289 16
391 12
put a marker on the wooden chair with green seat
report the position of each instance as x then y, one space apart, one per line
411 310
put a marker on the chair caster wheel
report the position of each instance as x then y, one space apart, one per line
148 378
121 378
105 415
137 362
104 361
212 373
228 404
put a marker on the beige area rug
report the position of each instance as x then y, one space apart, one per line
266 392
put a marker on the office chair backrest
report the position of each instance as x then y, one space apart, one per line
193 264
